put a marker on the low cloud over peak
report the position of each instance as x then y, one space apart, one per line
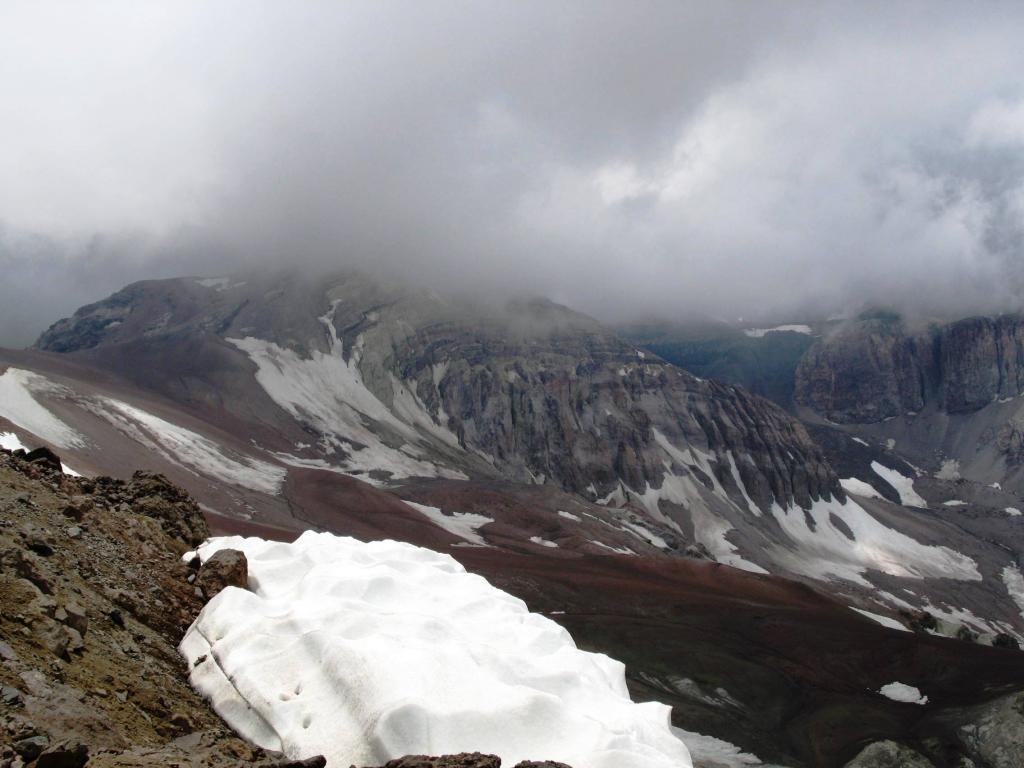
756 160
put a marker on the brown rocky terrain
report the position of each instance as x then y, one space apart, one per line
95 599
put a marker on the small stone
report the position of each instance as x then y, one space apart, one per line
75 642
76 618
101 692
74 532
121 696
10 696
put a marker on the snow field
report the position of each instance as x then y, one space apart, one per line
366 652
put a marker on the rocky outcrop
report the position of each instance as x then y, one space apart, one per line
875 367
889 754
95 599
996 732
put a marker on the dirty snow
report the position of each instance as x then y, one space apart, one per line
904 693
19 406
827 551
365 652
190 449
904 485
950 470
328 392
463 524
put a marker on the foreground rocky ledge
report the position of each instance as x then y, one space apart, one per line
95 600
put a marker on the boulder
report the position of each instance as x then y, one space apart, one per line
225 568
44 457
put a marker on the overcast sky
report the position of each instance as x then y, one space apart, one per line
749 159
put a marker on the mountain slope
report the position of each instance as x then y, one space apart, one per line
305 402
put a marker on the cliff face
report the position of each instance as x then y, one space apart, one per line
873 369
532 390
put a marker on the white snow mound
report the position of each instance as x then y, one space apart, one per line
366 652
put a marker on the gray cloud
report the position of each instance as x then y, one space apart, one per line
736 159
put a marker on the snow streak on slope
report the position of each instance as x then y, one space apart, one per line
19 406
824 547
885 621
1014 581
328 392
366 652
904 485
757 333
188 448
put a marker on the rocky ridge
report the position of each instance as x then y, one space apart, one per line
95 599
532 390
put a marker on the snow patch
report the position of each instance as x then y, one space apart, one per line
569 516
365 652
954 503
904 485
862 442
860 488
463 524
190 449
1012 511
906 694
543 542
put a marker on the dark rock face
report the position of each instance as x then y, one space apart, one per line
866 372
875 368
225 568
